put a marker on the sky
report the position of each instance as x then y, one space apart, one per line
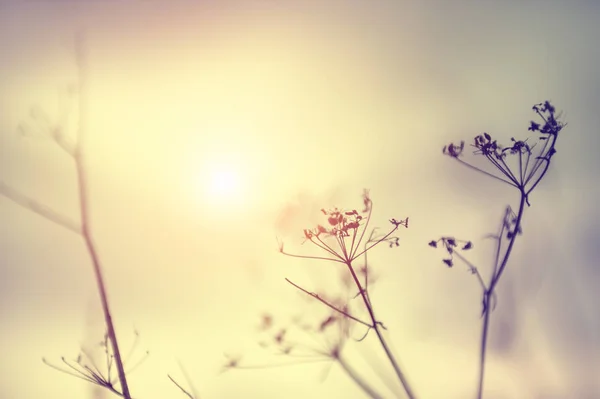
216 129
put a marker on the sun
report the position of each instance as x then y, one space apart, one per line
223 183
228 181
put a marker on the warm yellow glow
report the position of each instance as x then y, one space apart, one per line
222 182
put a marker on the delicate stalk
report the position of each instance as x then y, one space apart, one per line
376 326
490 292
318 298
39 208
84 215
358 379
483 348
495 154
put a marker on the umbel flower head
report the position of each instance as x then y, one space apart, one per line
86 368
347 228
339 224
525 169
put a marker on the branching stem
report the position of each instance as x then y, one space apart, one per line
489 293
376 326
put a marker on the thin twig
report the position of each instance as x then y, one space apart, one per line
189 395
310 257
472 268
369 204
39 208
358 379
376 327
84 212
484 172
489 294
377 242
317 297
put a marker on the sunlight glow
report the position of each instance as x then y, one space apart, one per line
224 183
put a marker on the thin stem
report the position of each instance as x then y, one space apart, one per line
326 247
311 257
67 223
484 172
189 395
36 207
87 236
504 169
503 227
537 163
511 243
482 352
84 215
366 226
521 171
342 243
367 248
524 178
376 327
94 369
79 374
295 363
358 379
547 160
352 249
473 269
189 381
317 297
367 261
490 292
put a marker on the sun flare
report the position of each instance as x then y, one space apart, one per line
223 183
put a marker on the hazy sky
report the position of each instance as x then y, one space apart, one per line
306 104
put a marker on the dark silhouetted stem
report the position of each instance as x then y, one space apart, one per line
377 327
112 335
490 292
483 349
84 214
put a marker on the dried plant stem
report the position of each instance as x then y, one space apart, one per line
513 238
357 379
83 231
84 215
377 327
39 208
83 228
483 349
318 298
188 394
86 234
489 293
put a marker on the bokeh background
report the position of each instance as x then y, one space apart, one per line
310 102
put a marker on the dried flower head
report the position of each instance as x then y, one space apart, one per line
454 150
451 244
86 368
347 229
525 169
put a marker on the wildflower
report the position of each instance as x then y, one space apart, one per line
534 127
450 244
528 170
454 150
486 146
519 147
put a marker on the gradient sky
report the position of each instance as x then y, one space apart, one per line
309 102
